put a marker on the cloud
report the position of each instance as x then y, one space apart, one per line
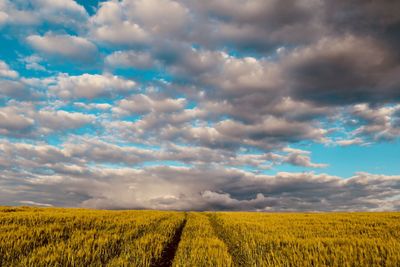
23 120
350 142
299 157
269 134
363 65
376 123
83 152
378 19
123 33
261 25
13 121
194 188
91 106
141 104
90 85
62 120
110 26
14 89
6 72
163 17
34 12
132 23
68 46
33 63
127 59
33 203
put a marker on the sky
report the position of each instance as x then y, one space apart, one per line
260 105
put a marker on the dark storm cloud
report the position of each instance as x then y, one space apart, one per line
377 18
344 70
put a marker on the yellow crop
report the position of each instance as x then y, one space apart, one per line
326 239
77 237
81 237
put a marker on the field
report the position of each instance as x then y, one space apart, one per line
80 237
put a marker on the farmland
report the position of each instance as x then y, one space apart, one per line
81 237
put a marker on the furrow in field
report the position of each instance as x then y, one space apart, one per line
170 249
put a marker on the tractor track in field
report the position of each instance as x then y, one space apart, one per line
170 249
219 232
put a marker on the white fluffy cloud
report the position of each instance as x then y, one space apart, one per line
130 23
90 85
12 121
144 104
62 120
68 46
111 26
33 12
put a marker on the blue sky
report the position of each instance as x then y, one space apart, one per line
235 105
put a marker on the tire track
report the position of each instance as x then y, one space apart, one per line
168 255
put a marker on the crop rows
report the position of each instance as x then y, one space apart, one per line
79 237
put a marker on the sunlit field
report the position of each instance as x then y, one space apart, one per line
80 237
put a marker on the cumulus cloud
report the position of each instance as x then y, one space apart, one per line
111 26
35 12
23 120
127 59
68 46
13 121
376 122
90 85
132 23
62 120
141 104
13 89
271 132
300 157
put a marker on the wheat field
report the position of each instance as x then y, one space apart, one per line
81 237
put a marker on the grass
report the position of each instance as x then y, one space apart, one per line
80 237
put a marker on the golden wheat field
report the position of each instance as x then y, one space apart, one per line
81 237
